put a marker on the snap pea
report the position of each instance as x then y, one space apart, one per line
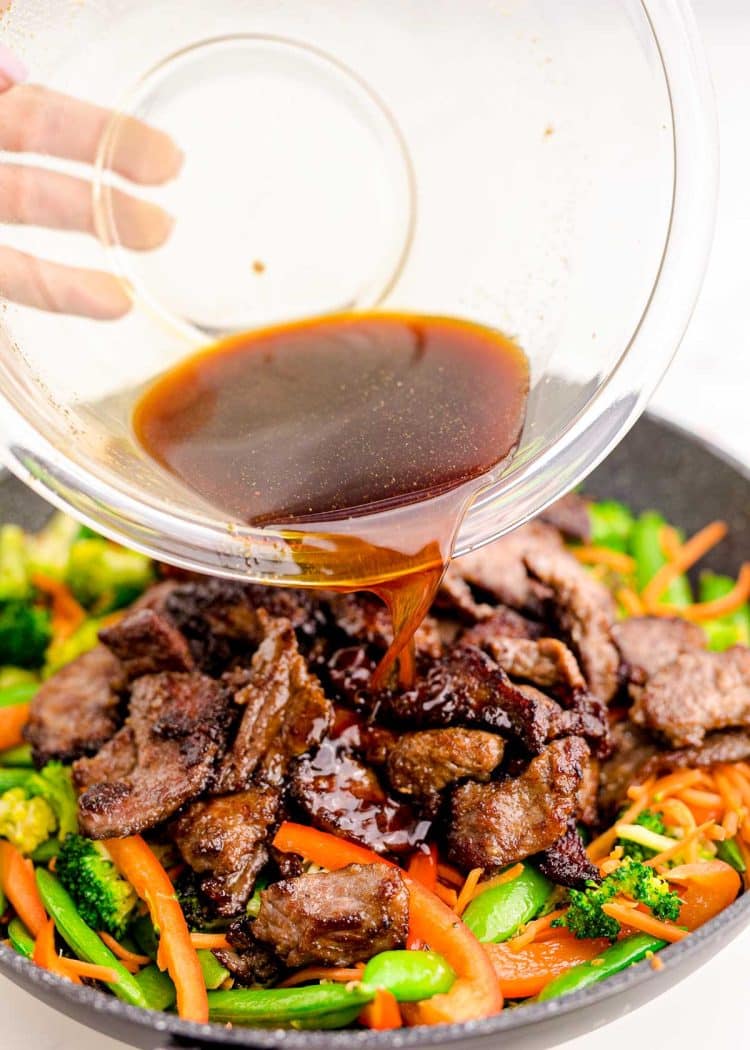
214 974
17 756
83 941
620 955
320 1003
157 987
496 914
611 524
20 939
729 852
20 693
410 976
44 853
144 935
732 629
13 778
645 546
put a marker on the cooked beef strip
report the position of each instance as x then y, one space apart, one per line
425 763
177 729
146 642
251 963
632 748
155 597
587 717
588 793
285 711
498 570
375 744
340 794
585 611
75 711
335 918
648 643
456 597
697 692
364 618
728 745
546 662
566 862
114 761
499 823
348 673
466 687
570 515
225 839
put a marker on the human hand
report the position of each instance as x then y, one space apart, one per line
36 120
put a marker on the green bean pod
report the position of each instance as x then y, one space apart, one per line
730 853
20 693
214 974
288 1006
613 959
157 987
20 939
409 975
83 941
497 914
44 853
645 547
611 524
17 756
13 778
732 629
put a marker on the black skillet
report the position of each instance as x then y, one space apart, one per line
656 466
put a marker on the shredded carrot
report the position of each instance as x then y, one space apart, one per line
340 974
699 612
383 1013
450 874
497 880
739 782
211 941
657 963
67 613
591 555
19 885
468 889
45 953
697 797
532 930
90 970
669 541
602 845
640 920
447 895
677 814
122 953
675 782
630 601
709 828
687 555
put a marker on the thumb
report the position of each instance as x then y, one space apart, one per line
12 69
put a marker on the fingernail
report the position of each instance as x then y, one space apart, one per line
12 69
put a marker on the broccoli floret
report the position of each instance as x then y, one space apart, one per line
64 650
104 899
53 784
104 577
25 633
26 822
647 819
633 879
14 577
195 907
48 551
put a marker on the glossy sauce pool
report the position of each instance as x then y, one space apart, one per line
370 433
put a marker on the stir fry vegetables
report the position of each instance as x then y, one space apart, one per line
128 913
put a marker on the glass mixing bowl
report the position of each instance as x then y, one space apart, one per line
548 169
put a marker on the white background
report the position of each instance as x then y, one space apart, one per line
708 390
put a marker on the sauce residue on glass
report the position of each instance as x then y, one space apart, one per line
368 432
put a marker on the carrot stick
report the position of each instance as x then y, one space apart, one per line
680 846
84 969
67 614
602 845
670 542
639 920
686 556
383 1013
533 929
342 974
45 954
137 863
447 895
697 797
467 890
122 953
498 880
590 555
210 941
450 874
698 612
12 721
19 885
630 601
423 867
674 782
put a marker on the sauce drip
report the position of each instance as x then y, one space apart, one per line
366 434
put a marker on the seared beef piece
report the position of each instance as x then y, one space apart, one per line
729 745
546 662
375 744
226 839
631 750
364 618
456 597
76 710
566 862
349 672
285 711
341 795
648 643
499 823
588 794
335 918
466 687
114 761
176 730
586 717
585 611
697 692
570 515
251 963
146 642
422 764
289 865
502 623
155 598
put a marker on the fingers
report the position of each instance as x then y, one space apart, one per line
12 69
35 196
36 120
61 289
